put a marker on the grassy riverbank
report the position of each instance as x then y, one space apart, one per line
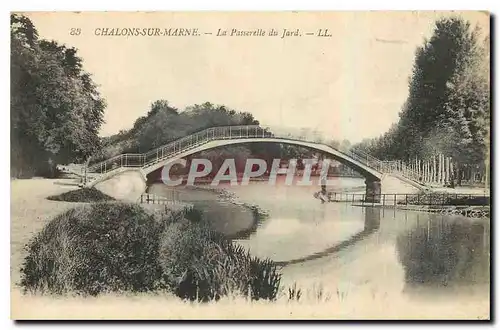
116 247
323 296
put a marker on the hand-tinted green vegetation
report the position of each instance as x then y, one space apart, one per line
56 110
448 107
116 247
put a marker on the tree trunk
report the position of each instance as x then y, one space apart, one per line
443 170
425 171
433 169
439 177
453 173
447 170
459 174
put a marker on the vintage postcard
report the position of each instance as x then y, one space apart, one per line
250 165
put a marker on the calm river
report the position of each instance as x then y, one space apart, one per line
353 246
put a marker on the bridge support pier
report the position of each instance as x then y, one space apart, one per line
373 190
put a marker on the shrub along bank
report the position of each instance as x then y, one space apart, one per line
447 199
84 195
118 247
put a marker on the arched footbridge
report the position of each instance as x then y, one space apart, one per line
371 168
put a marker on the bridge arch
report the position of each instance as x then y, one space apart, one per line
372 176
369 173
371 168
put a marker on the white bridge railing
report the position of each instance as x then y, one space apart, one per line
194 140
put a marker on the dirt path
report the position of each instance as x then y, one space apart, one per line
30 211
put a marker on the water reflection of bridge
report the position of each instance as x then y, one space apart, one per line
371 225
435 251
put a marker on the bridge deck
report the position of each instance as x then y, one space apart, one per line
215 137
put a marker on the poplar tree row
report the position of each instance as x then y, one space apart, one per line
446 117
442 171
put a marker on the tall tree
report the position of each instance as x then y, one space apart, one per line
56 110
448 107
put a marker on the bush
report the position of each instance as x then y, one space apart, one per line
201 264
84 195
115 247
447 199
471 200
193 214
98 248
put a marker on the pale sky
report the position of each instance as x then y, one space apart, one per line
351 85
